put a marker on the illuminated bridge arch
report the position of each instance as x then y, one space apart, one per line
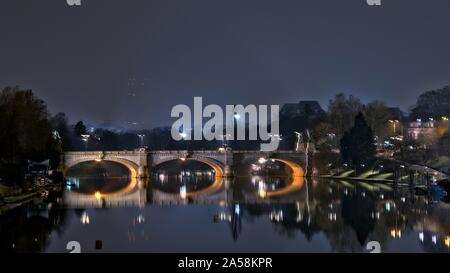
134 161
215 160
293 160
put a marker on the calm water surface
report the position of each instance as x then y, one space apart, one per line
185 208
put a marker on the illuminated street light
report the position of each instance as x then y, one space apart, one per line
394 122
299 139
85 138
98 195
141 139
445 118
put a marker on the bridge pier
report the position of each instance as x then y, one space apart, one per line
227 172
143 172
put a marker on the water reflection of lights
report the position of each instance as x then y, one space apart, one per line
237 209
262 192
85 218
256 167
276 216
140 219
421 236
72 182
434 239
183 192
224 217
332 216
162 177
388 206
375 215
396 233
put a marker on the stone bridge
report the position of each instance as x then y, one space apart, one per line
224 162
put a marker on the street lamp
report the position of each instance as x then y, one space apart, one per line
299 139
85 139
394 122
141 138
445 118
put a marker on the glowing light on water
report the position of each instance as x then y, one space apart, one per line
85 218
162 177
183 192
276 216
262 192
421 236
237 209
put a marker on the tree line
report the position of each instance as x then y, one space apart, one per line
29 132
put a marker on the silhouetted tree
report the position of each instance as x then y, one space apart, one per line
59 124
342 111
79 129
357 144
25 132
432 104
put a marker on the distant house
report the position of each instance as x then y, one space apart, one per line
311 108
423 131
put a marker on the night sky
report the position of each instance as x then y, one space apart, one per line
121 61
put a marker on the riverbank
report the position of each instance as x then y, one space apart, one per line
11 197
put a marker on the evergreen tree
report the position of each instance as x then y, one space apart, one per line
357 144
79 129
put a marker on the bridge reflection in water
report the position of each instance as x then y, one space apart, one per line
141 191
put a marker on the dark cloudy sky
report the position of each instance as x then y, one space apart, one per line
125 61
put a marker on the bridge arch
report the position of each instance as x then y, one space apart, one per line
132 167
131 160
289 160
214 164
